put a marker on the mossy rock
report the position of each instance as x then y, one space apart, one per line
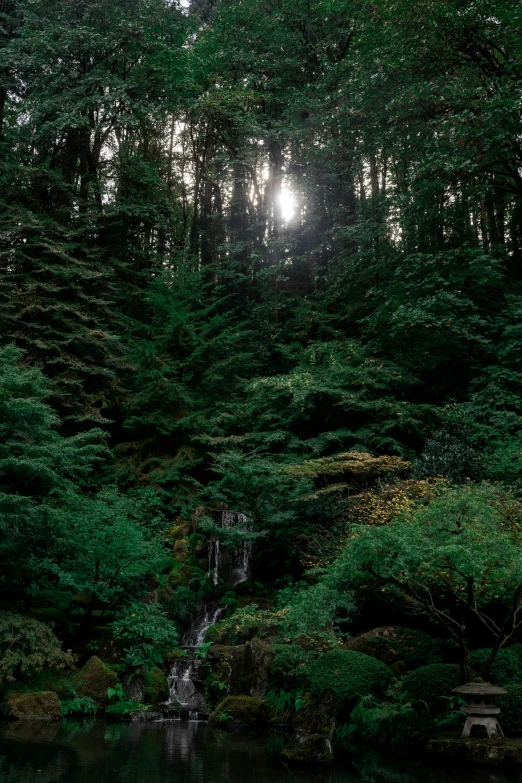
181 549
124 709
175 579
348 675
180 574
175 655
244 711
94 679
430 683
395 645
156 686
244 668
314 724
181 529
44 705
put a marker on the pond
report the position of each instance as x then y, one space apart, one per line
175 752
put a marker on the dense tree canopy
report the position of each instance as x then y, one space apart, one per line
261 256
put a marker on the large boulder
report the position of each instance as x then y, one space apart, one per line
148 686
44 705
241 711
314 725
395 645
244 668
156 688
94 680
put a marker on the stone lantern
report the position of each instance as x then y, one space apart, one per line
481 708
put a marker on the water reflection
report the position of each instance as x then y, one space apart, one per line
174 752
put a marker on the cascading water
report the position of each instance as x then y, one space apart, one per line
241 558
196 633
185 683
213 561
241 563
182 688
186 686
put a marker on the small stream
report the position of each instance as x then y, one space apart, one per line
189 752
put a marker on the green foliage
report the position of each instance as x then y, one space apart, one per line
442 554
289 367
117 693
291 667
108 546
349 675
215 689
431 683
123 708
408 647
284 703
39 469
387 723
246 623
511 710
147 631
507 667
79 707
27 647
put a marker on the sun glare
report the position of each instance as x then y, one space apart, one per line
288 204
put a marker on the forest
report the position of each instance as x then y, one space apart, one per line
261 360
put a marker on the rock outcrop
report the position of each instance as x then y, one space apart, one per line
44 705
241 712
244 668
495 752
94 680
314 725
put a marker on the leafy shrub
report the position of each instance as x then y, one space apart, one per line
290 669
26 647
148 631
391 644
507 666
384 723
349 675
246 623
283 703
431 683
117 693
215 689
511 710
79 706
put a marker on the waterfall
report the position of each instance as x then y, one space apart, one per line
196 633
186 687
213 561
181 683
241 558
185 682
233 518
241 563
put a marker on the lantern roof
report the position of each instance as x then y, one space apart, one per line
479 688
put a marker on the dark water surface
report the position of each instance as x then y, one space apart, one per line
99 752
